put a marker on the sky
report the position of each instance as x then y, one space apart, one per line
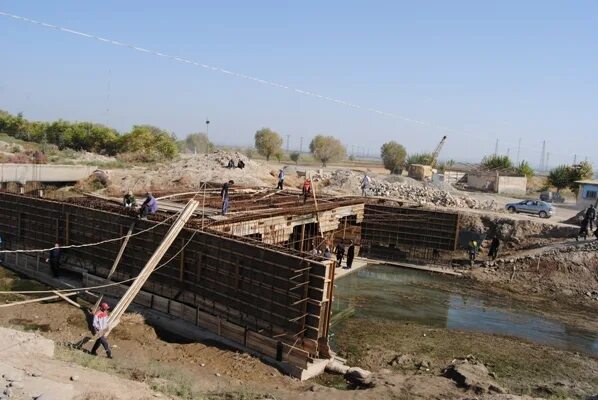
478 72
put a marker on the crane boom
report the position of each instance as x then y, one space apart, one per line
437 150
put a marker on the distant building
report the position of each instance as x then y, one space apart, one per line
493 181
588 193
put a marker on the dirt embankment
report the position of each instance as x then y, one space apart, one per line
563 273
517 233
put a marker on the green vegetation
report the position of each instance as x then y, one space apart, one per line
326 149
143 143
393 156
295 156
420 158
497 162
268 143
196 142
564 176
525 169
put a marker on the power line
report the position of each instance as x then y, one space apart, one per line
225 71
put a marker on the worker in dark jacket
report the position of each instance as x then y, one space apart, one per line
149 206
350 254
493 251
340 253
224 195
280 185
591 216
54 260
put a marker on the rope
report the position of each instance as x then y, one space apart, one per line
75 246
77 290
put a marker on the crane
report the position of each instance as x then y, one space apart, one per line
434 157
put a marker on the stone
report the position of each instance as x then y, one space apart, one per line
74 378
336 367
218 374
359 376
472 375
16 385
8 392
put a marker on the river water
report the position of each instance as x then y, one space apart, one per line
381 292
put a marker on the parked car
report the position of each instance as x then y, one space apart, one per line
552 197
537 207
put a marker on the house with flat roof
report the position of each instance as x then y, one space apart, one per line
588 193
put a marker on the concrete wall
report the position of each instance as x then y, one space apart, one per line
585 197
24 173
512 185
487 182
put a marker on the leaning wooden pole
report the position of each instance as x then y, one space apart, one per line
115 264
138 283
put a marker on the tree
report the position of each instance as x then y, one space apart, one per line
579 172
393 156
149 141
198 142
268 142
420 158
327 148
559 177
525 169
295 156
497 162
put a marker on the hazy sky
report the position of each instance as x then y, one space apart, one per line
473 70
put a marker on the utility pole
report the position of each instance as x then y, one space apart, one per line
543 157
288 139
207 136
518 150
547 160
574 159
496 148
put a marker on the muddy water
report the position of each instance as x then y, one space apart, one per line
381 292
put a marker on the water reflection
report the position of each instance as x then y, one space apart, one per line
391 293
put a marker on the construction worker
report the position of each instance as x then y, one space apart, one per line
100 326
340 253
224 195
280 179
493 251
327 253
149 206
306 190
473 249
365 184
350 254
240 164
591 216
129 200
54 260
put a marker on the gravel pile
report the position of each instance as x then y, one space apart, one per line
402 188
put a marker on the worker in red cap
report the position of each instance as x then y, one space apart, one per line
100 326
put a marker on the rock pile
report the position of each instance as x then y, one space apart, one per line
402 188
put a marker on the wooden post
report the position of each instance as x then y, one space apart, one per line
302 236
182 260
67 229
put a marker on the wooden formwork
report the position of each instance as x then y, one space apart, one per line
421 233
261 296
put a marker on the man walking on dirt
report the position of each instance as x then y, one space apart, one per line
493 251
591 216
280 179
224 195
54 260
100 326
365 184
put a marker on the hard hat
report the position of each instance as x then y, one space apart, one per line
104 306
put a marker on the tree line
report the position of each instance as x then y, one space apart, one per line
143 143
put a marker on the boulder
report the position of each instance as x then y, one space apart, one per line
359 376
472 375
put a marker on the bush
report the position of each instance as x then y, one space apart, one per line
295 156
393 156
497 162
420 158
326 149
